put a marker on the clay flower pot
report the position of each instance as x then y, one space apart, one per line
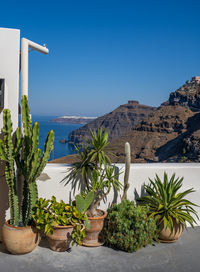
20 240
92 234
61 238
166 236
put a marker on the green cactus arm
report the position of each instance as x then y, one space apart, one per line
33 197
33 149
35 137
12 196
26 120
27 133
3 155
24 208
18 142
7 146
46 153
35 164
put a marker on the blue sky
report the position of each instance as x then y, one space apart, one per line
104 53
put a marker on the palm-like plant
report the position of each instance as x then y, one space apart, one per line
166 205
93 171
98 145
84 165
101 183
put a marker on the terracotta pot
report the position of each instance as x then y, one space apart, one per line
92 238
61 238
166 236
20 240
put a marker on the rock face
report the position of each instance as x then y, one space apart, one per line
170 134
188 95
118 122
157 138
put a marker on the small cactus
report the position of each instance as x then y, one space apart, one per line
127 170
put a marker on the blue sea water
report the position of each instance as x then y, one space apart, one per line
61 131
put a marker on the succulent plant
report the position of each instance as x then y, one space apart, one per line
166 204
23 163
127 170
127 227
49 213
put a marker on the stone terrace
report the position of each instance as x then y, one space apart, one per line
183 256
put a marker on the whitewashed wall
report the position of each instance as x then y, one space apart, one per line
138 176
9 70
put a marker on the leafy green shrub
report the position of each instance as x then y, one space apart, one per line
128 228
50 213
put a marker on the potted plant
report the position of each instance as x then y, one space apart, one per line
23 165
127 227
97 176
61 222
169 207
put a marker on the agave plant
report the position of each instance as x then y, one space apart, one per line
166 205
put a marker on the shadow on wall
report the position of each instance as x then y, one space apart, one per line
141 194
4 204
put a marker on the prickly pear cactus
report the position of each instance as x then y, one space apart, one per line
83 203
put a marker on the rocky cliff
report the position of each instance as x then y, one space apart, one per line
187 95
118 122
170 133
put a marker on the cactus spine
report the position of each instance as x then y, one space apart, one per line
127 169
26 156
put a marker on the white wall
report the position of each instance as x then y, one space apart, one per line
138 176
9 70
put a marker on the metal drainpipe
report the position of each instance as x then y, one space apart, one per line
25 44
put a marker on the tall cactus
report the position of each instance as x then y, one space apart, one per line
29 163
32 163
8 151
127 169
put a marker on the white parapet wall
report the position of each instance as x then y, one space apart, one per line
139 175
50 182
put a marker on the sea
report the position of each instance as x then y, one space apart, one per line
61 131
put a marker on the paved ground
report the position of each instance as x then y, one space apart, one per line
182 256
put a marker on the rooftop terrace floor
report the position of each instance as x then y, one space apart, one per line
183 256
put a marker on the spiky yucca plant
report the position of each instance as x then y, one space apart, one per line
98 145
93 171
166 205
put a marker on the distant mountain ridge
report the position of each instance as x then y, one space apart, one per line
118 122
73 119
169 133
